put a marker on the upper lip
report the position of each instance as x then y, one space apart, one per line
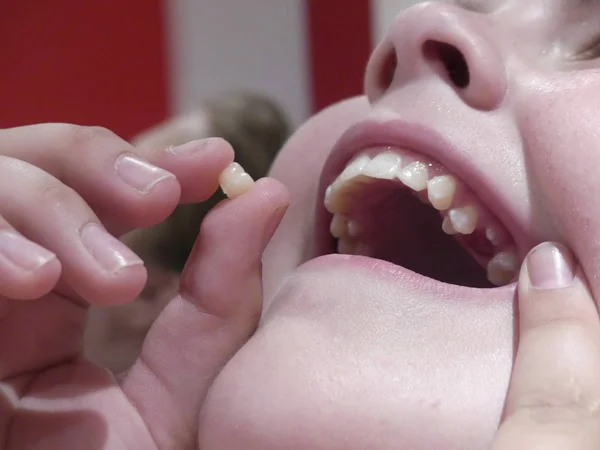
422 140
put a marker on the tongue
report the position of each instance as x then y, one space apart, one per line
399 228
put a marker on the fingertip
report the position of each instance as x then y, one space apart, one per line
239 229
556 367
549 266
197 165
156 206
278 198
553 289
20 284
118 288
274 192
27 269
209 147
222 149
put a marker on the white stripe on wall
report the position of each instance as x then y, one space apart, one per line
384 13
218 45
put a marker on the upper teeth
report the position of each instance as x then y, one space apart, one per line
444 192
387 165
384 166
464 220
355 168
441 191
414 176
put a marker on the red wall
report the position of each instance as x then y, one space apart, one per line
105 62
340 44
93 62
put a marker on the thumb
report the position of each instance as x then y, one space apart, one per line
215 313
553 401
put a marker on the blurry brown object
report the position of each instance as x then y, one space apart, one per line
256 128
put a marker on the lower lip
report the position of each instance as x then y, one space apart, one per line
378 268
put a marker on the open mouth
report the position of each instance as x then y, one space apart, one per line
398 206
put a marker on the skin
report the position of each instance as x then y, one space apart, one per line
358 356
51 396
256 128
552 401
349 353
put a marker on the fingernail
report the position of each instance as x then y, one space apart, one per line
140 174
22 252
110 253
190 148
550 266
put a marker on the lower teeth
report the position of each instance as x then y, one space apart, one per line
503 268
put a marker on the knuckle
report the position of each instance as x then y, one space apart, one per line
84 138
10 165
53 194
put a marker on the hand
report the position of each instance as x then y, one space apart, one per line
65 192
553 400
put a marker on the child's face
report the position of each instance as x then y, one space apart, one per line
358 353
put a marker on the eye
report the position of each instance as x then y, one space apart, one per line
590 50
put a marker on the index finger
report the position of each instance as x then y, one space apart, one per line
553 400
125 186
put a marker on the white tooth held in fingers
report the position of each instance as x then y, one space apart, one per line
384 166
235 181
339 226
503 268
464 220
441 190
447 227
415 176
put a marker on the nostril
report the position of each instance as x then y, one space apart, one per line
453 60
387 70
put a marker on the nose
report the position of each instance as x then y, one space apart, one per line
444 42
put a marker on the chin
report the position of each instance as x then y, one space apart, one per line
355 355
376 333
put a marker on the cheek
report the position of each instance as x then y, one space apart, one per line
562 137
299 173
298 166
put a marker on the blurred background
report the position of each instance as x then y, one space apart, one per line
129 64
